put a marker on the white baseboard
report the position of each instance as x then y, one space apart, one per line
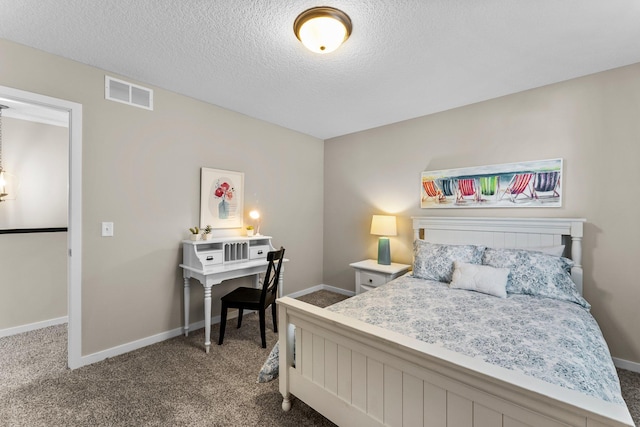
130 346
626 364
154 339
321 288
33 326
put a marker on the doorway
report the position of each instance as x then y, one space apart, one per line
74 234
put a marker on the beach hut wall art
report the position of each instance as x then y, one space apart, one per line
523 184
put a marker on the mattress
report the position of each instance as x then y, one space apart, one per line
555 341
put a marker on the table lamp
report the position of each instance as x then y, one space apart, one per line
384 226
255 215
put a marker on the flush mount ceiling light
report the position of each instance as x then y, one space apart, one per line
322 29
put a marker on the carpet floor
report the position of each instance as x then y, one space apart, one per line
172 383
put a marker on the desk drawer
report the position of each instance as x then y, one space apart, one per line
257 252
208 258
372 279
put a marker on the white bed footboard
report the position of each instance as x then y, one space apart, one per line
358 374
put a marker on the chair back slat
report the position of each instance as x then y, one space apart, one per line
448 187
521 182
489 185
467 187
430 188
272 275
546 181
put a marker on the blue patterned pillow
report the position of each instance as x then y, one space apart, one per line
271 367
432 261
536 273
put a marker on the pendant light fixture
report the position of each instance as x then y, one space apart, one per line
322 29
3 182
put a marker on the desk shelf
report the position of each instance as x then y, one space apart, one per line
221 251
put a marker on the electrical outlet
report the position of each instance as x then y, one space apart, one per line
107 229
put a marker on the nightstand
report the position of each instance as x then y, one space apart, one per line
370 274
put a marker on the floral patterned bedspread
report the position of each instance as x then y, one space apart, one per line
552 340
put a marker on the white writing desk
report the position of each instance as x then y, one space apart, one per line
214 274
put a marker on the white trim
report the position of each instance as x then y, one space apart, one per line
153 339
74 235
130 346
321 287
163 336
626 364
15 330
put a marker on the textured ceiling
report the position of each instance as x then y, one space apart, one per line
405 58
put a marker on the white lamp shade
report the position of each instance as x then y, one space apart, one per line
384 225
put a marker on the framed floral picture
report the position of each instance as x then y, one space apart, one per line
221 198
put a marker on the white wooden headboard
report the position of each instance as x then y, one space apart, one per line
507 233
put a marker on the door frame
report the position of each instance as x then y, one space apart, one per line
74 211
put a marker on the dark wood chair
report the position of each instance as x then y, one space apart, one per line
256 298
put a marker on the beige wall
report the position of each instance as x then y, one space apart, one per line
33 278
593 123
141 170
33 267
38 154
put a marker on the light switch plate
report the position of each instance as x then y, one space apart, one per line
107 229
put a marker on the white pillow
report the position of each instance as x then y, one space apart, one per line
480 278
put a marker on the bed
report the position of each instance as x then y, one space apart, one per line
356 368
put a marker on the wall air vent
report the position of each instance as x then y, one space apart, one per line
128 93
